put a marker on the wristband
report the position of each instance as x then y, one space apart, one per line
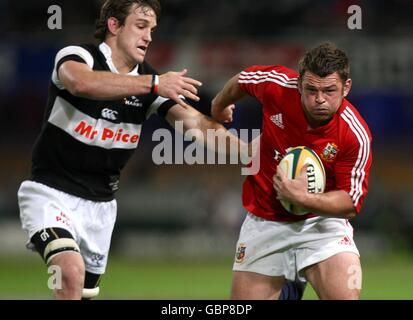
155 84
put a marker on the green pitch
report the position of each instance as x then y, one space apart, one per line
25 278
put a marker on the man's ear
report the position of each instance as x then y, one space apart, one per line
347 87
113 26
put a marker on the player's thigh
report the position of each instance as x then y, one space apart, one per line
251 285
338 277
43 207
96 233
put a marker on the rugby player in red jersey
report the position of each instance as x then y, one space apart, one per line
306 108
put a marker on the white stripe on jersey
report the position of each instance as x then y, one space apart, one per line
266 77
358 173
67 51
263 73
361 172
94 132
273 76
268 80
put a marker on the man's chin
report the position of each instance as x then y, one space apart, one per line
137 58
321 116
322 119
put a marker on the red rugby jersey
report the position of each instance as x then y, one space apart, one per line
343 145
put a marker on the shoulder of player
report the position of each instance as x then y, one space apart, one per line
88 52
290 73
353 127
270 76
270 69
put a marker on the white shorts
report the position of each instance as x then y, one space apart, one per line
90 223
284 249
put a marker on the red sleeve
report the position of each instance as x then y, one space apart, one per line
258 81
353 165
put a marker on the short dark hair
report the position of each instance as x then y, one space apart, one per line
119 9
325 60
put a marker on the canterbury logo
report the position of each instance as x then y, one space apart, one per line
109 114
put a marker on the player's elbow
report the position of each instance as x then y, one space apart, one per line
78 88
350 214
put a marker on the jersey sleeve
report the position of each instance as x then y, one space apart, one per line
260 81
70 53
353 166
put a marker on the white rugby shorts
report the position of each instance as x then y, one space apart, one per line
276 248
90 223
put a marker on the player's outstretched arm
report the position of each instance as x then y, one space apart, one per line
80 80
200 124
222 105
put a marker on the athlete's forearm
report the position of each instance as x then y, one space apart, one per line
230 94
336 204
223 141
108 86
206 131
104 85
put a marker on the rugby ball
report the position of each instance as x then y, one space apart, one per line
292 163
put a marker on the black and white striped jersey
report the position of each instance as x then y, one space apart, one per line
84 144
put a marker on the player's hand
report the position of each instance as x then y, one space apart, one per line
222 116
173 84
293 191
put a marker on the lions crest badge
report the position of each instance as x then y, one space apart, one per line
240 254
330 152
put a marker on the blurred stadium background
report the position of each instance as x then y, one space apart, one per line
178 225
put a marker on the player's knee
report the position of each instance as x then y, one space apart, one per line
64 253
73 275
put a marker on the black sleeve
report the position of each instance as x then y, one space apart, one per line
164 108
70 57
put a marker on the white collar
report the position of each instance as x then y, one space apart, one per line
107 52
